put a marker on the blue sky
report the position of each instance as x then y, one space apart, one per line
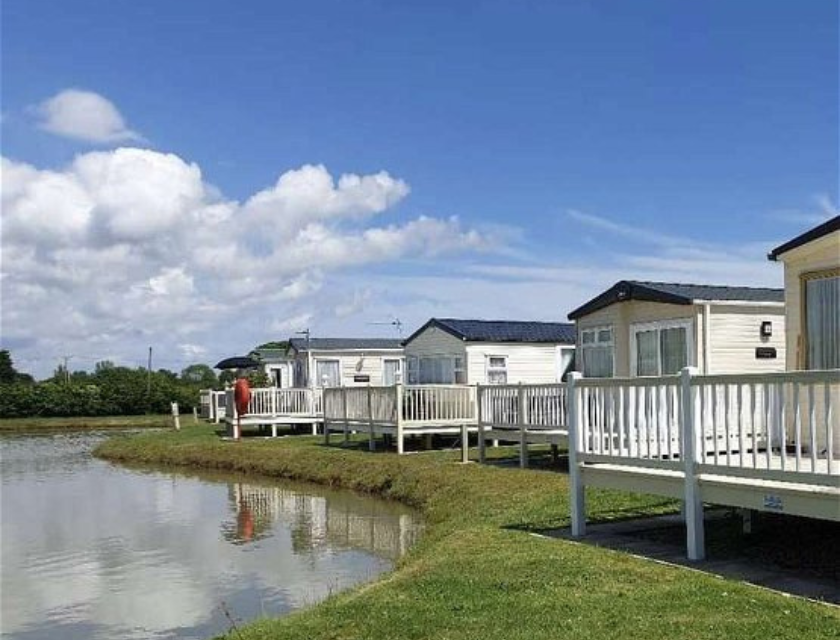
581 141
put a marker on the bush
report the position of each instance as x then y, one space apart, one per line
110 391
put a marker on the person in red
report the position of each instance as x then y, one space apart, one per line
241 398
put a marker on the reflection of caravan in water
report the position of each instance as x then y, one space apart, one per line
334 520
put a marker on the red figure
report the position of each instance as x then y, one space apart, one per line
241 398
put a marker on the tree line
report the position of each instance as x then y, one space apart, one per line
107 390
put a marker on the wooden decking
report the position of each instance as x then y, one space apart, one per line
761 442
401 412
765 442
274 407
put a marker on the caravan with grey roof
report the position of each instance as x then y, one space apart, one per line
654 328
457 351
346 362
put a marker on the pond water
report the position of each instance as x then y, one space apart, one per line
93 550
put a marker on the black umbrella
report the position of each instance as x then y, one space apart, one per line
237 362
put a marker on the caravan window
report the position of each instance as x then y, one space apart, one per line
497 370
597 352
822 320
327 373
662 348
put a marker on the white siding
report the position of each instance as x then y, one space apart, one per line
735 335
526 363
353 363
819 255
622 315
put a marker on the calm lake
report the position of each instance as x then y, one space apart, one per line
93 550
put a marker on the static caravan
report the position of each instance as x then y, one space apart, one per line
345 362
812 307
277 364
452 351
656 328
812 296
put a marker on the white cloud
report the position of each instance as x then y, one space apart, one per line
84 115
291 325
132 247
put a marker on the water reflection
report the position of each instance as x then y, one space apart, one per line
318 522
89 550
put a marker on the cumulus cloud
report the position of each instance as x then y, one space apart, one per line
84 115
130 247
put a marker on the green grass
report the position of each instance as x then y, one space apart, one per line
98 422
478 571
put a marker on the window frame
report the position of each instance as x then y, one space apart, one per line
457 364
596 344
399 372
803 359
317 379
489 368
658 326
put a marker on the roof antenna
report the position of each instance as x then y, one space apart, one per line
396 322
305 332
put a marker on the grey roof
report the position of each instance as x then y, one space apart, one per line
817 232
344 344
503 330
675 293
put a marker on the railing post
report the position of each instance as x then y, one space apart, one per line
479 412
176 419
523 441
577 495
688 436
326 423
371 442
343 393
398 390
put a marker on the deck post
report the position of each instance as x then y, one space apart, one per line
399 404
523 438
465 443
176 418
326 425
693 502
371 442
346 421
577 495
479 412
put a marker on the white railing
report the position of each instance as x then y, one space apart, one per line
438 404
745 429
212 404
355 405
629 418
778 424
774 423
415 405
532 406
276 402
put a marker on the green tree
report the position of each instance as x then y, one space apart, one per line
8 373
199 374
102 365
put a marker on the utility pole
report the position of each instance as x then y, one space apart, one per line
66 368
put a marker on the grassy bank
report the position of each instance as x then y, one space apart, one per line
97 422
479 572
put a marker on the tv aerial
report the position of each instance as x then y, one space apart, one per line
395 322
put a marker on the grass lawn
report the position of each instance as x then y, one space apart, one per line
98 422
479 572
